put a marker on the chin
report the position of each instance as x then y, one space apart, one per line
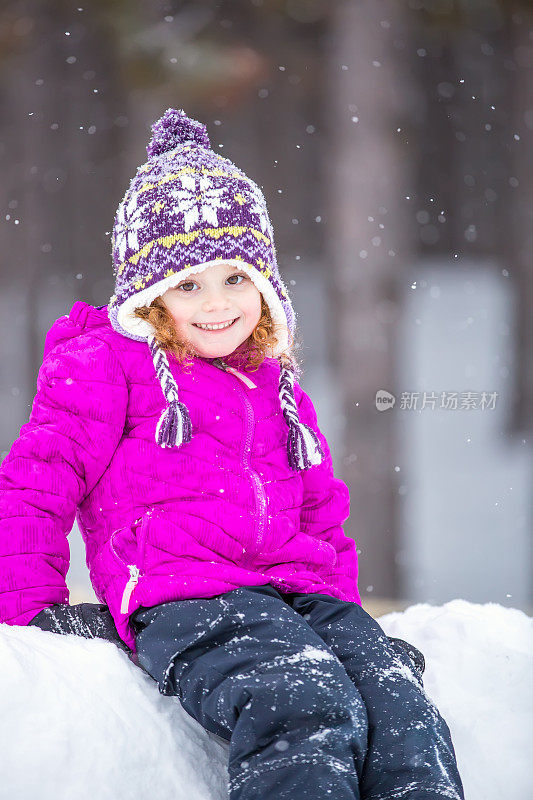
212 352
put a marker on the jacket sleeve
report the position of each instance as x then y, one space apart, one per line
76 422
326 506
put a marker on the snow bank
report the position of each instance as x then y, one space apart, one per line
80 721
479 668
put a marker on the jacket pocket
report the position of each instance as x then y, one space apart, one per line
132 569
123 553
135 565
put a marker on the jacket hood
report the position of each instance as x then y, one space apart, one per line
82 317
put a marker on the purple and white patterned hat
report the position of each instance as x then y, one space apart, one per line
186 209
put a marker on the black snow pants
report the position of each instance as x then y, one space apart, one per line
313 698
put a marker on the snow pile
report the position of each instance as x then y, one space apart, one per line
79 720
479 666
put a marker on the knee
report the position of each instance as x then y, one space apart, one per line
319 704
310 689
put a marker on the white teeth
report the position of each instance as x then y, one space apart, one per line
221 325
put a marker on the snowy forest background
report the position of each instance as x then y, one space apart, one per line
392 140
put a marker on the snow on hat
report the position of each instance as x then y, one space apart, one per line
186 209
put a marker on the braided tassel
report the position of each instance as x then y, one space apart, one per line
174 426
303 446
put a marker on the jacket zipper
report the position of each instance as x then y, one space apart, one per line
128 589
259 492
133 579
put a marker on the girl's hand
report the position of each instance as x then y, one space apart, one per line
415 655
91 620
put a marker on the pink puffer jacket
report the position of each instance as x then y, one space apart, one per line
222 511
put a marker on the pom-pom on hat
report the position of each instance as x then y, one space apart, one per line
186 209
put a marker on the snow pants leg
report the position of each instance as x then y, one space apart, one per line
249 669
312 697
410 750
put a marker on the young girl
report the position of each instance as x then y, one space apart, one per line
171 424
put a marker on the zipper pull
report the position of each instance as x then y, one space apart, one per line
244 378
221 364
128 589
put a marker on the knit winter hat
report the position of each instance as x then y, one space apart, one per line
186 209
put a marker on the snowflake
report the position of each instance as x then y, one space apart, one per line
257 207
199 201
132 217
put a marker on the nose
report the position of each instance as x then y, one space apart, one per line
215 300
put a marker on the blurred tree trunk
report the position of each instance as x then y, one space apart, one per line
54 133
366 174
519 211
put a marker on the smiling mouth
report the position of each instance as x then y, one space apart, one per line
219 326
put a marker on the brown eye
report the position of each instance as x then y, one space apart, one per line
187 283
236 276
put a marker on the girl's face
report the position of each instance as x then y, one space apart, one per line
220 293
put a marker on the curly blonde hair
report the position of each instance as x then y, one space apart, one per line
250 355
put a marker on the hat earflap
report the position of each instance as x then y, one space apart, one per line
174 426
303 446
